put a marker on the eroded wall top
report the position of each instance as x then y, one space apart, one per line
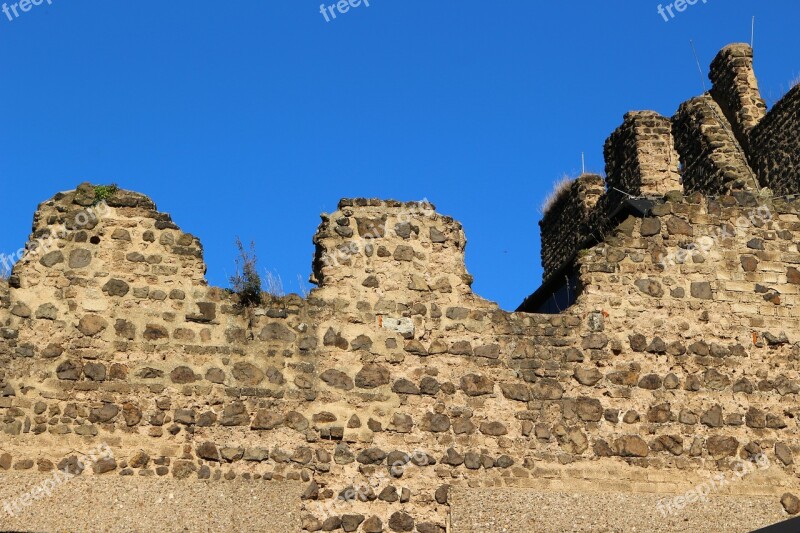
719 143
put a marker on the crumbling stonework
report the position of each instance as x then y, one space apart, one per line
775 140
735 89
719 143
640 156
566 225
392 386
713 160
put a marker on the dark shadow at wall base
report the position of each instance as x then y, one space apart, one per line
789 526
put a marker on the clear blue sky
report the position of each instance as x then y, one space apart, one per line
251 117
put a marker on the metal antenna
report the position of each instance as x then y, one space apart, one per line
700 70
753 32
629 195
583 164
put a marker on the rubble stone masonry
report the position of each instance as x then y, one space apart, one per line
392 386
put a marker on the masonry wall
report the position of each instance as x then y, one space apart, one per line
565 226
776 145
713 161
735 89
392 383
640 157
689 369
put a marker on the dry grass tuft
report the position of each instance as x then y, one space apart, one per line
560 188
274 284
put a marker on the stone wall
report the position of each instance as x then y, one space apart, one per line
565 226
776 145
395 382
392 383
717 143
640 156
712 160
735 89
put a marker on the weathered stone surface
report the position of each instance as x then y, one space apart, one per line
631 446
476 385
116 287
791 503
371 376
182 375
587 376
267 419
337 379
91 325
52 259
547 389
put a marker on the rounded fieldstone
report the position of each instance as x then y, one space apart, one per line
401 521
404 386
104 414
80 258
106 464
441 494
436 423
155 332
52 258
631 446
337 379
267 419
182 375
493 429
47 312
95 371
372 376
121 234
587 376
791 503
21 310
69 370
373 524
116 287
247 373
476 385
350 522
371 456
547 389
215 375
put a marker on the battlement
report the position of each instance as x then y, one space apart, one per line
735 89
640 157
720 143
391 398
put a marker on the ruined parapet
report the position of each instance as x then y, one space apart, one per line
373 246
775 142
565 223
107 271
735 89
713 161
391 396
640 157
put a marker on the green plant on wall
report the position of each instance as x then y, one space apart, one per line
104 192
246 282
